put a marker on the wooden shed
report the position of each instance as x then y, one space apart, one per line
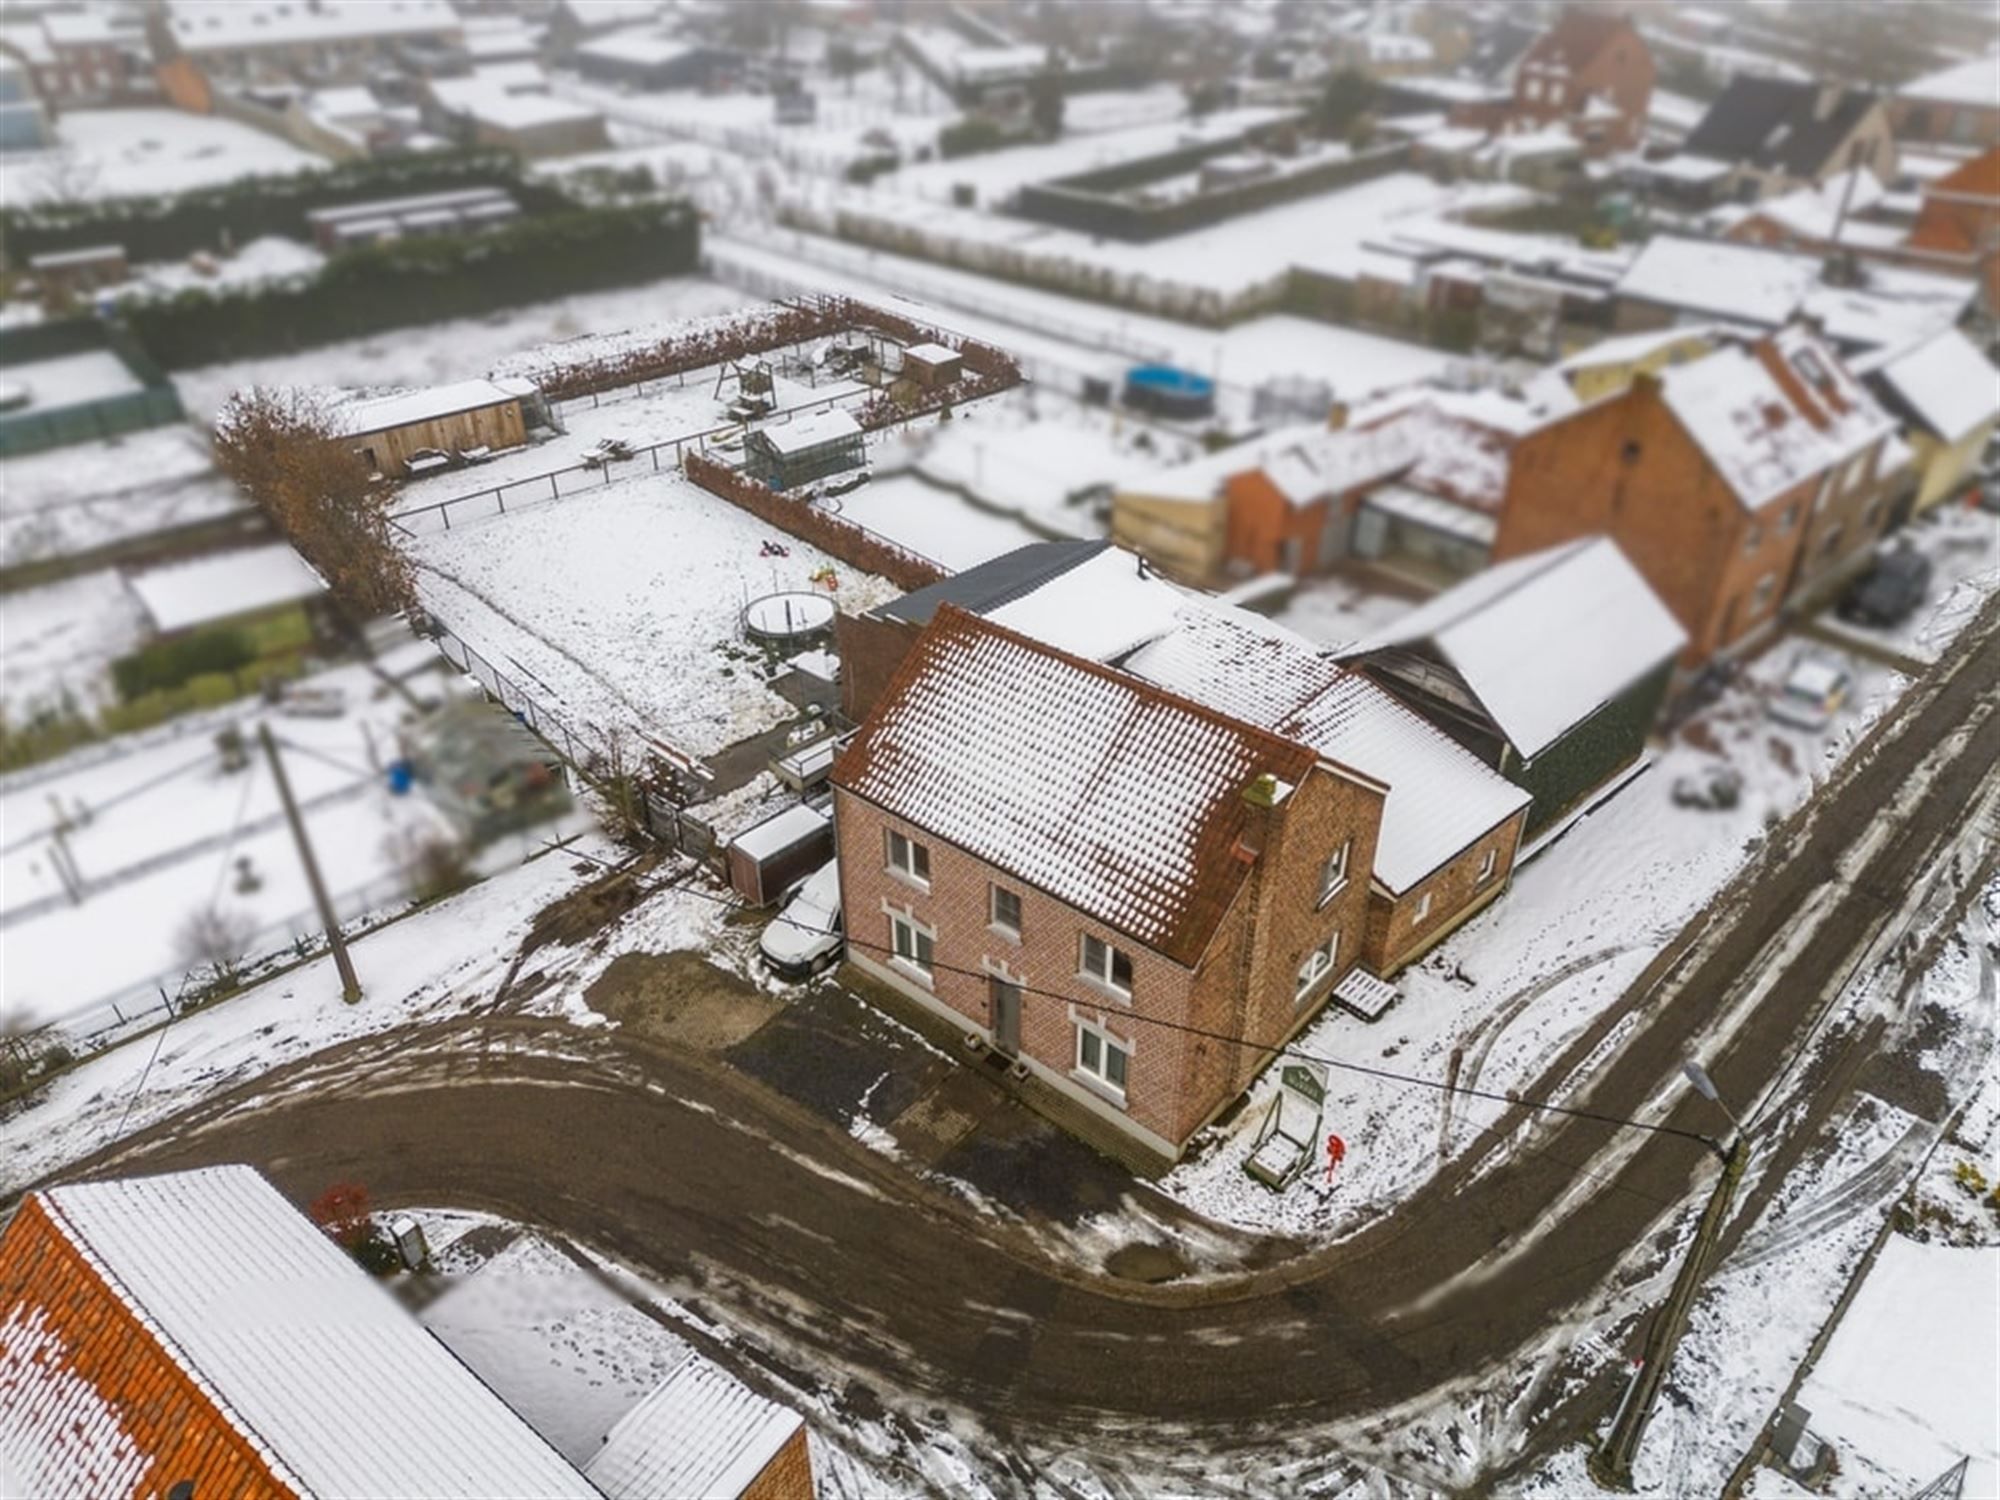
469 417
932 366
769 859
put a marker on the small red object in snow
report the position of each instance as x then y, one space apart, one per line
1336 1152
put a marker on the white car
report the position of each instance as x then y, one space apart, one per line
804 937
1812 693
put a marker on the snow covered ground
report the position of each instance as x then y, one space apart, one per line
1499 998
160 831
93 494
619 607
121 153
260 262
437 353
61 639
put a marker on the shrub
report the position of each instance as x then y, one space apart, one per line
168 664
140 713
971 136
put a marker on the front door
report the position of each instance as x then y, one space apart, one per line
1006 1001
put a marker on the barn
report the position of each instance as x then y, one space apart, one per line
469 417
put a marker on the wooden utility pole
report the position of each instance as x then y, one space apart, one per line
350 987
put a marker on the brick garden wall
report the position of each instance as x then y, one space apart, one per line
788 1476
838 538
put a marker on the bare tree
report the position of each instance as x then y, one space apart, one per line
215 938
284 449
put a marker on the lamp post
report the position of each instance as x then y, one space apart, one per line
1705 1086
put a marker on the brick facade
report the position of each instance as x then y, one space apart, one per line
1267 531
1586 55
788 1476
1626 468
1401 929
870 650
166 1428
1244 983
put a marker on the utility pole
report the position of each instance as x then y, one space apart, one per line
350 987
1611 1464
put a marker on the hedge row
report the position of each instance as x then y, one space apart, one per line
396 285
169 227
832 535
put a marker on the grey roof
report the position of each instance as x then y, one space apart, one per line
1777 124
998 581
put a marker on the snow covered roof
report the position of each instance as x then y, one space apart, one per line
217 25
1974 82
1546 639
781 832
806 432
641 46
1441 798
343 103
328 1379
384 413
1738 282
1812 212
698 1432
993 583
222 586
1685 167
1108 793
494 100
1305 461
1632 347
1100 609
1947 383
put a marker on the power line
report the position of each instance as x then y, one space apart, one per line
1275 1049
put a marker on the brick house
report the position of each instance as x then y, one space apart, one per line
1958 225
77 58
1592 71
196 1329
1956 106
1074 864
1722 480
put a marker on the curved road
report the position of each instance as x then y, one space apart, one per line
846 1257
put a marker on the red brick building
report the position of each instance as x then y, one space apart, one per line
1958 227
1077 864
1591 70
1733 482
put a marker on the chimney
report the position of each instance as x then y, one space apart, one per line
1824 101
1336 416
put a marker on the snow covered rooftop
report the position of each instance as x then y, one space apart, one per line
1547 639
1737 282
383 413
781 832
699 1432
1632 347
1441 798
1108 793
1976 82
1950 386
801 433
218 25
1740 416
1306 462
326 1376
222 586
1100 609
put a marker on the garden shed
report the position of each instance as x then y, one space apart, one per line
805 449
467 416
769 859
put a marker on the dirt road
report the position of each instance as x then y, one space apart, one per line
704 1178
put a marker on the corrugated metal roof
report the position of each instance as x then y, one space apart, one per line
316 1363
697 1434
994 583
1111 794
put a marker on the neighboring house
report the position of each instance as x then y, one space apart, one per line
76 58
647 59
1778 134
1733 483
1674 280
204 43
1947 395
1610 365
388 431
1591 71
488 109
1958 224
195 1334
1077 867
1955 106
1549 667
574 22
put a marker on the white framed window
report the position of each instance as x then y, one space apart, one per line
1789 519
1102 1058
1333 874
1753 537
1489 865
1534 88
1318 965
1106 966
1423 911
911 944
909 859
1003 910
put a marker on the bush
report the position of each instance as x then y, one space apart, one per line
428 280
167 664
971 136
140 713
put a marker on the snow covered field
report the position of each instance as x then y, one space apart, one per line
61 639
92 494
160 832
619 607
121 153
438 353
